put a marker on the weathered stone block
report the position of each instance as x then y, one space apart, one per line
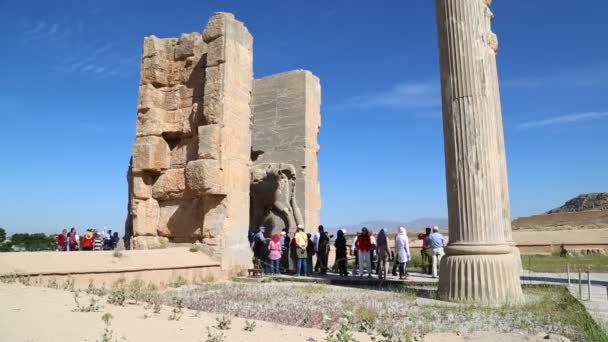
170 185
142 186
182 220
189 44
204 177
151 153
209 142
150 242
145 214
216 26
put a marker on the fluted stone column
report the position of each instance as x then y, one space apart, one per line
479 266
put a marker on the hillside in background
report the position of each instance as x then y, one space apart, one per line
584 202
586 211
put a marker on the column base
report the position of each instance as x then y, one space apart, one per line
517 256
477 278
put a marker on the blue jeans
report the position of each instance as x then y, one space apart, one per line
275 266
302 263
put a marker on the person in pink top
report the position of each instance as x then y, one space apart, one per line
276 251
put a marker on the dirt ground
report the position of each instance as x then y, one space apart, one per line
31 314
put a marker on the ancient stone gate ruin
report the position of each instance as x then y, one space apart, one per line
194 175
197 164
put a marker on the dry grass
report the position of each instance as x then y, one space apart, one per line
387 312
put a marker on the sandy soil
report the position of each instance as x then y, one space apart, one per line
100 261
42 314
581 236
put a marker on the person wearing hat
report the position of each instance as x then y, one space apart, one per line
437 242
301 240
260 248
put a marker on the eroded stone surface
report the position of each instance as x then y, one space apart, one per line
189 176
286 122
480 265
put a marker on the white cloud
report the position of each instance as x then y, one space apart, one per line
563 119
405 95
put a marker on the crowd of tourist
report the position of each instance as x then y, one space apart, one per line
92 240
282 253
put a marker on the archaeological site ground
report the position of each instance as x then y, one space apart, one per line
218 153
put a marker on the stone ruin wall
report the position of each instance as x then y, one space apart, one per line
286 121
189 173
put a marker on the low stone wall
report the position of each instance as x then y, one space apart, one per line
160 267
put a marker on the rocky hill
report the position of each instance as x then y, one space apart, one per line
587 211
585 202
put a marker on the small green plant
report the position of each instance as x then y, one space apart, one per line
344 331
367 319
9 279
223 323
179 282
92 307
195 247
108 334
177 312
117 296
249 326
156 306
25 280
53 284
117 253
215 337
69 284
92 290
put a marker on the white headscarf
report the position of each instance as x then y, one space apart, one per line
402 231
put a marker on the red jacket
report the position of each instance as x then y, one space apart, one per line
363 243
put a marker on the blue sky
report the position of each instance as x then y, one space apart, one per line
70 74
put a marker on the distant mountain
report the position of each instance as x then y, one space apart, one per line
586 211
418 224
584 202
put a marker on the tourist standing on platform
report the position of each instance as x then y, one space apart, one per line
437 242
260 249
341 253
107 240
322 249
115 240
310 251
61 240
382 251
301 243
364 245
427 251
356 254
88 240
276 251
73 240
402 249
285 256
97 240
372 249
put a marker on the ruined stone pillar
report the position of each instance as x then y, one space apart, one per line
286 111
479 266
